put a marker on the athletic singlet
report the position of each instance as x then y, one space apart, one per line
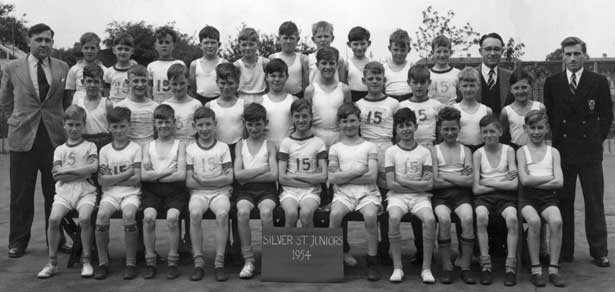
355 77
539 168
295 73
251 80
452 168
260 159
494 173
96 119
229 126
206 80
162 161
469 134
396 81
516 122
278 114
325 105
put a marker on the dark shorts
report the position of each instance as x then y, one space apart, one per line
473 148
164 196
298 94
497 201
99 140
452 197
401 98
538 198
204 99
356 95
255 193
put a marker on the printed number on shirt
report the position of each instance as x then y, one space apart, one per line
165 85
69 158
413 168
422 115
442 86
374 117
304 164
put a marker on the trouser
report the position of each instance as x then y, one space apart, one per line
24 168
592 184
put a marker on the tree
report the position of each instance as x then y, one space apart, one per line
513 50
268 45
13 30
434 24
555 55
186 48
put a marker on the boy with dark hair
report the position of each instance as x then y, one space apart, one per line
444 77
298 68
203 70
396 69
358 42
90 46
166 38
116 76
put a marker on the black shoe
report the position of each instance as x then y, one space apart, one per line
446 277
150 272
372 273
130 272
556 280
466 276
220 275
101 272
197 274
538 280
172 272
485 277
510 279
16 252
602 262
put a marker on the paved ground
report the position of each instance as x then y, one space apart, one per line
20 274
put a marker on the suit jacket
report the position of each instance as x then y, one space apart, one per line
21 103
579 122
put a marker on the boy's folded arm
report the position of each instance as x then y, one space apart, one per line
191 181
133 180
105 178
179 172
459 180
558 178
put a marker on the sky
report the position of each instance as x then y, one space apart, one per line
540 25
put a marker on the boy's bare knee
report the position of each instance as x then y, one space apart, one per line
84 221
196 215
511 222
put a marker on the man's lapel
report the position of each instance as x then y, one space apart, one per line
584 84
55 79
23 73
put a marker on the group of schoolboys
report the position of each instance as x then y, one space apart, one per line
143 136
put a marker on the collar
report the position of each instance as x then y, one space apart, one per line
577 75
484 69
33 61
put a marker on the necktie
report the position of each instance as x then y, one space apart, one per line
573 83
491 81
43 85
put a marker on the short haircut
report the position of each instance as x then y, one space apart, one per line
358 33
301 104
490 35
347 109
488 120
419 73
403 116
469 74
137 70
39 28
124 39
288 28
118 114
163 112
163 31
177 70
276 65
535 116
93 71
248 34
441 41
327 53
572 41
322 25
203 113
449 113
373 67
520 74
75 112
209 32
401 38
254 112
227 71
89 37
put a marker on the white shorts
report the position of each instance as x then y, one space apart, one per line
217 200
300 194
120 202
408 203
329 136
75 201
355 197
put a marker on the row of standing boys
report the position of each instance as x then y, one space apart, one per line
368 130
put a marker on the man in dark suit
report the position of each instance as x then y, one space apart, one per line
495 86
579 106
32 95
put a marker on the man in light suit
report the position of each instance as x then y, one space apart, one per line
580 111
32 96
495 85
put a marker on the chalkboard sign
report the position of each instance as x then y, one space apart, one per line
302 255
